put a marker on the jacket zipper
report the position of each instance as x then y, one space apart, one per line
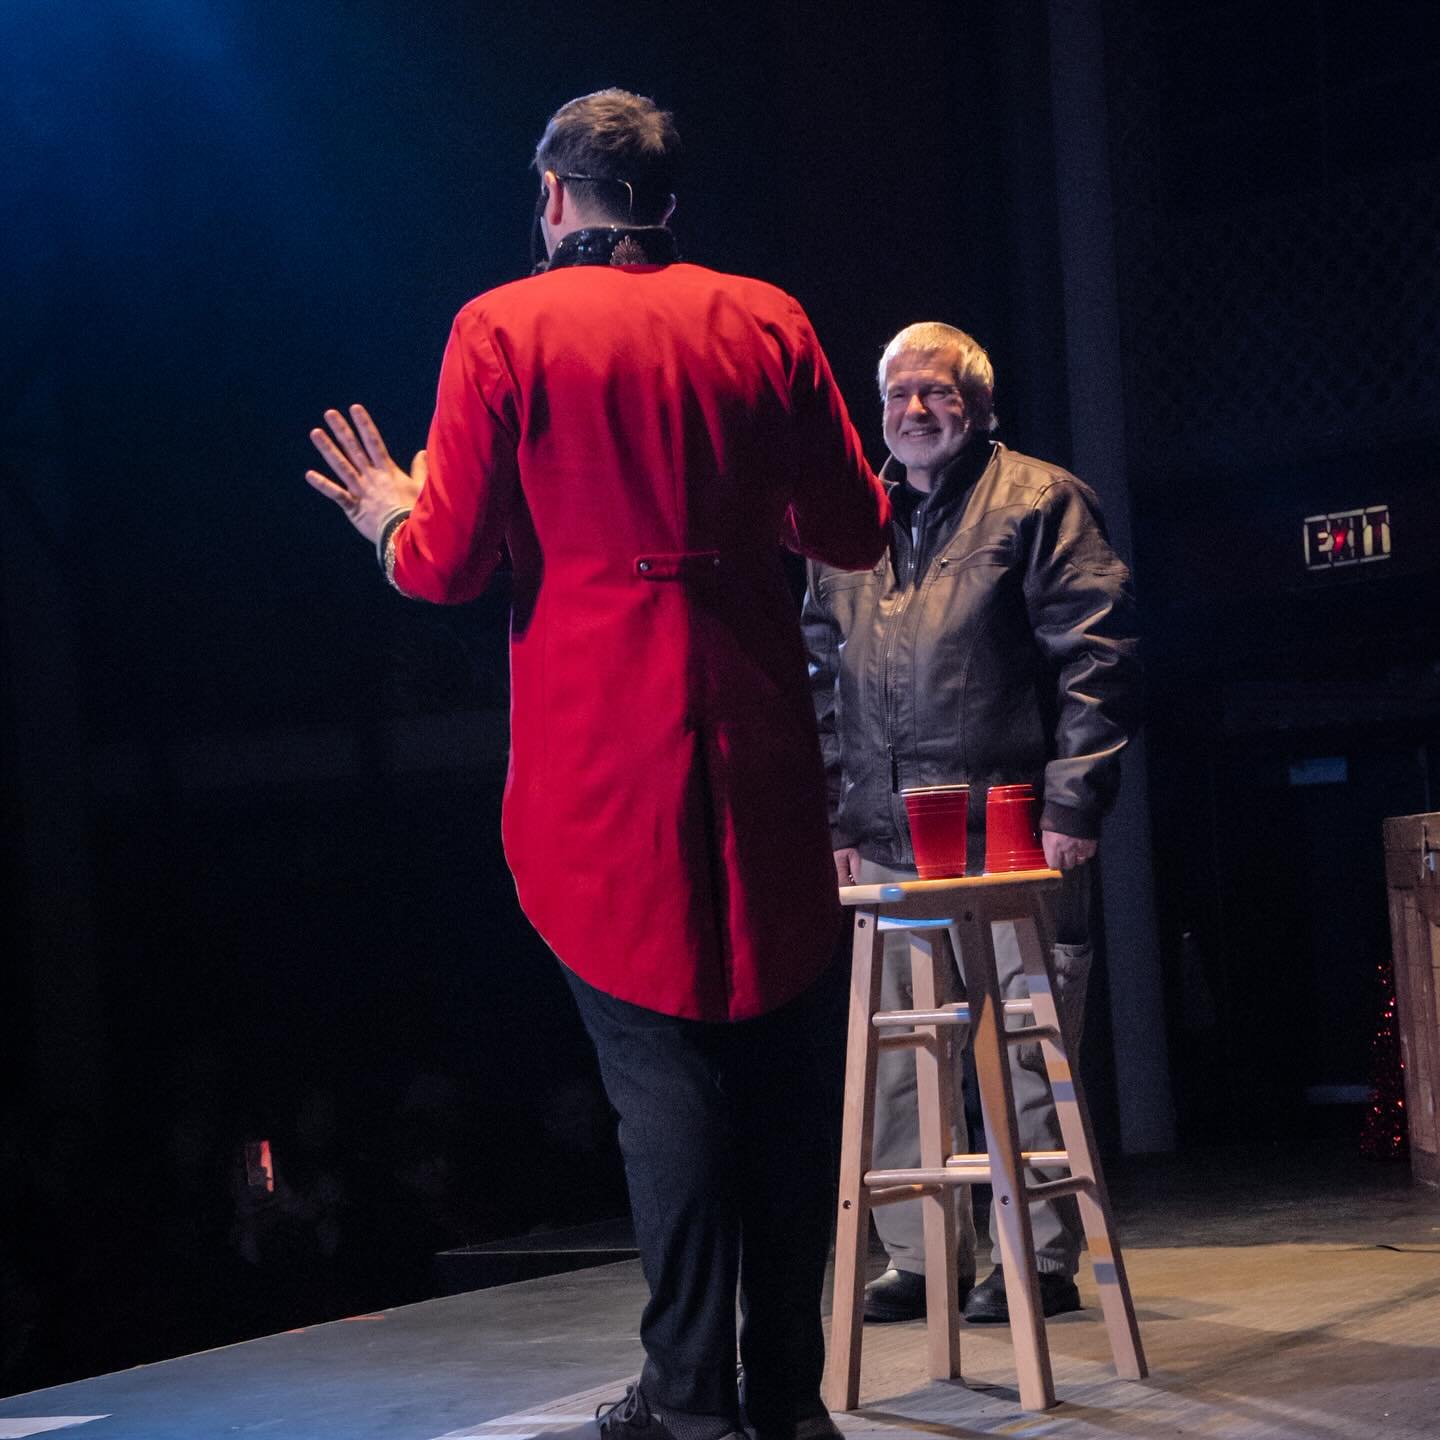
908 591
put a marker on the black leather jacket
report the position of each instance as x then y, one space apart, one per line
995 643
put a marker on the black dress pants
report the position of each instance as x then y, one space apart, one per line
728 1135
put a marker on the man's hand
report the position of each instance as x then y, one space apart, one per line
847 866
372 486
1065 852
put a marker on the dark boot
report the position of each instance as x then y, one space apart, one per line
987 1305
900 1295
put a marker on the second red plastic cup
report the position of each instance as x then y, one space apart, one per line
939 816
1012 830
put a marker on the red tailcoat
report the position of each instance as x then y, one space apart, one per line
640 437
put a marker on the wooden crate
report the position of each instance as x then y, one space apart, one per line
1412 860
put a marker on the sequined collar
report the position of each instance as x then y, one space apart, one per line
615 245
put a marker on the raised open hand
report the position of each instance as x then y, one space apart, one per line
372 486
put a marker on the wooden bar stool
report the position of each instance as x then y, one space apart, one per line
967 909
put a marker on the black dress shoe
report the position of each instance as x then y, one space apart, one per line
794 1420
987 1305
627 1419
900 1295
813 1422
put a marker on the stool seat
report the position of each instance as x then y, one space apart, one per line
967 909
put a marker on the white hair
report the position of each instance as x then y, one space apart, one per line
974 373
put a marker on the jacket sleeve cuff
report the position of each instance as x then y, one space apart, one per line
1067 820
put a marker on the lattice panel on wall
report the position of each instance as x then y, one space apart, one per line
1294 324
1290 325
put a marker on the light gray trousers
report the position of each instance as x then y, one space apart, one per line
1056 1223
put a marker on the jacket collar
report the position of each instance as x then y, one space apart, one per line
615 245
949 490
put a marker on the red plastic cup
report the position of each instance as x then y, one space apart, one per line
1012 830
939 817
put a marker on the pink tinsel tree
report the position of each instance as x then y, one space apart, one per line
1384 1134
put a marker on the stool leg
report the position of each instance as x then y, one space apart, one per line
972 935
934 1090
1109 1265
852 1231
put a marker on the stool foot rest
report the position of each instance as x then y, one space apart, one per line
1048 1159
957 1013
893 1195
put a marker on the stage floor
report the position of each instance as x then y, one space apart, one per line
1281 1294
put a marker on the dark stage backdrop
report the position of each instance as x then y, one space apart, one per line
252 797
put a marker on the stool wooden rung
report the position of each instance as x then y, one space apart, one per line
1046 1158
897 1193
921 1182
967 1170
967 910
956 1014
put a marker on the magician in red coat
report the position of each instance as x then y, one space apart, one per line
641 434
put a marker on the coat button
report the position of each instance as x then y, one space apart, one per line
643 566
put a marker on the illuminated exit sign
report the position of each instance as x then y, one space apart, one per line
1352 537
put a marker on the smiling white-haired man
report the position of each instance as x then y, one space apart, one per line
994 644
